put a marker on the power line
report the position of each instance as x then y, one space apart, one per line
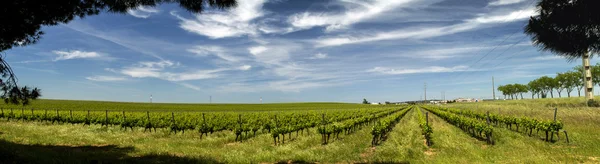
512 45
495 47
505 50
514 54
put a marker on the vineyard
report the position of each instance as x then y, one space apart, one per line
305 132
244 125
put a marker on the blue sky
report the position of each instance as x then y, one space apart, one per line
289 51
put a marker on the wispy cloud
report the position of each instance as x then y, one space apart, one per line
217 51
319 56
161 69
356 11
106 78
504 17
279 85
271 54
443 53
142 44
483 20
257 50
504 2
142 12
75 54
190 86
37 69
548 57
221 24
431 69
31 61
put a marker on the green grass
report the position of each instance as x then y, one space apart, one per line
35 142
130 106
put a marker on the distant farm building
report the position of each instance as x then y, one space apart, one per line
467 100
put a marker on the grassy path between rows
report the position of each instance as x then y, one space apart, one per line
404 144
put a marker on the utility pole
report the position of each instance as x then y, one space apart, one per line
493 89
425 88
444 96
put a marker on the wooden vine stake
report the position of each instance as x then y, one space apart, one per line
566 135
203 126
552 133
124 119
239 129
106 118
489 138
323 139
276 137
173 123
57 119
87 119
149 124
427 124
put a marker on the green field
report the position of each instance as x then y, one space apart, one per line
41 141
180 107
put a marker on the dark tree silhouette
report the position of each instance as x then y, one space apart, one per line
568 28
365 101
21 21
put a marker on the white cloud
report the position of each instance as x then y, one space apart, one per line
431 69
142 12
106 78
503 18
280 85
553 57
160 64
429 32
221 24
319 56
294 86
217 51
440 53
195 75
190 86
257 50
271 55
445 53
160 70
356 11
67 55
504 2
147 69
32 61
245 67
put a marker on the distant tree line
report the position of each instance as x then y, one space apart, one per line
564 82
